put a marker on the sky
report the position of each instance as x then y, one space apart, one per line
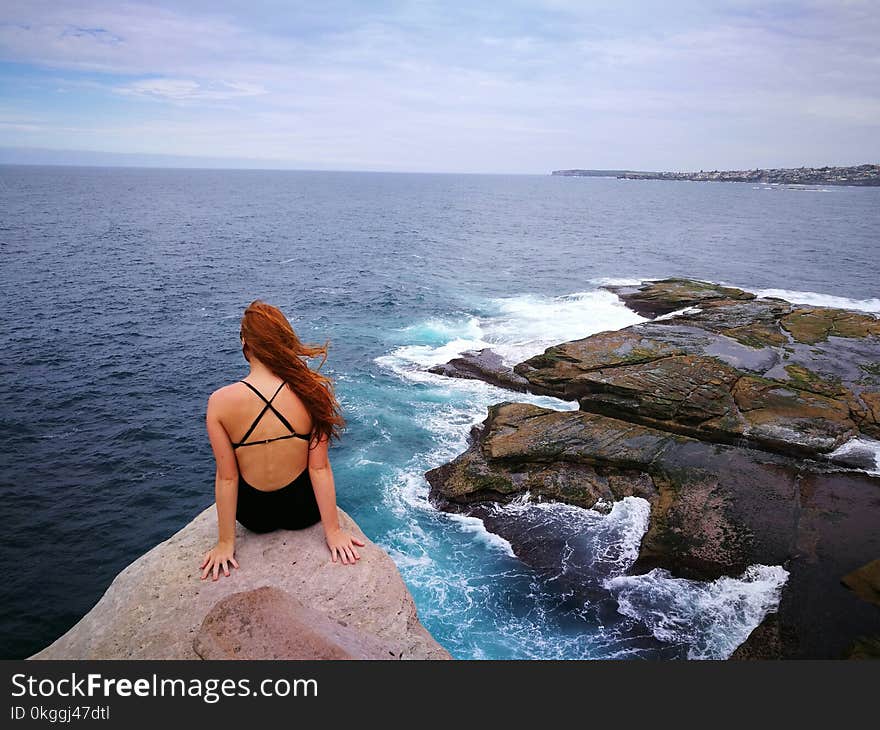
479 86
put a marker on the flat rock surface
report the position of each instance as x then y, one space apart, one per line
735 369
154 609
752 370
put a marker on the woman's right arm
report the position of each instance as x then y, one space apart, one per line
226 494
339 542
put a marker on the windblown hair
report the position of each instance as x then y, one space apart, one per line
269 337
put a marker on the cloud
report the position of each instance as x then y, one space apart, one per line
423 85
182 90
118 38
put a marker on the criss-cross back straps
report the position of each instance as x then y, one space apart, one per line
268 406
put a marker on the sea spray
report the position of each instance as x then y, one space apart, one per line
712 618
822 300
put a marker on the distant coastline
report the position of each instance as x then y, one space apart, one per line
599 173
866 175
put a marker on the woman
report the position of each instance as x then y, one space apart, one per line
270 434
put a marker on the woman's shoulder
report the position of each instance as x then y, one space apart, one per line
226 393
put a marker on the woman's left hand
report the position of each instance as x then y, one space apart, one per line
342 544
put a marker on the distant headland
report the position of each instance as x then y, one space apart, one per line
852 175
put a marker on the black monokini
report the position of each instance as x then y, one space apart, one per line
292 507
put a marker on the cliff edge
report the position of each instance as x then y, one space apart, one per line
288 600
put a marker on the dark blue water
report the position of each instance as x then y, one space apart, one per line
122 291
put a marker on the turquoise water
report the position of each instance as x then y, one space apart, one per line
122 295
473 593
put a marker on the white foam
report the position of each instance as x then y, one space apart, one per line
711 618
475 527
611 281
627 523
859 446
406 561
427 355
683 310
822 300
528 324
405 491
516 328
615 535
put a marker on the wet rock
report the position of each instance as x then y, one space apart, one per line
723 417
654 298
559 455
815 324
708 374
715 510
789 419
836 533
869 417
734 369
486 365
865 648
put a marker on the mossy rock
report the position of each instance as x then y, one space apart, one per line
805 379
782 417
758 335
814 324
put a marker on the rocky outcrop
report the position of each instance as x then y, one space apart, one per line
485 365
652 299
715 510
723 417
287 600
735 370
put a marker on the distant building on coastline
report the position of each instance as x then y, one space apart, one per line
852 175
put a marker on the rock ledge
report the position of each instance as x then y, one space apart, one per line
157 607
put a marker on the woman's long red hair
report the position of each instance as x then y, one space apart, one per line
269 337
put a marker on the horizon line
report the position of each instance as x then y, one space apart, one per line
166 161
98 166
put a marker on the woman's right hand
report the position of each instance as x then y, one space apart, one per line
343 545
220 555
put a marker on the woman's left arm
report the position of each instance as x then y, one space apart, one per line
340 542
226 494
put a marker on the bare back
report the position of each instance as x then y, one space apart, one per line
270 429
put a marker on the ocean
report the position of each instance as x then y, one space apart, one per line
122 295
